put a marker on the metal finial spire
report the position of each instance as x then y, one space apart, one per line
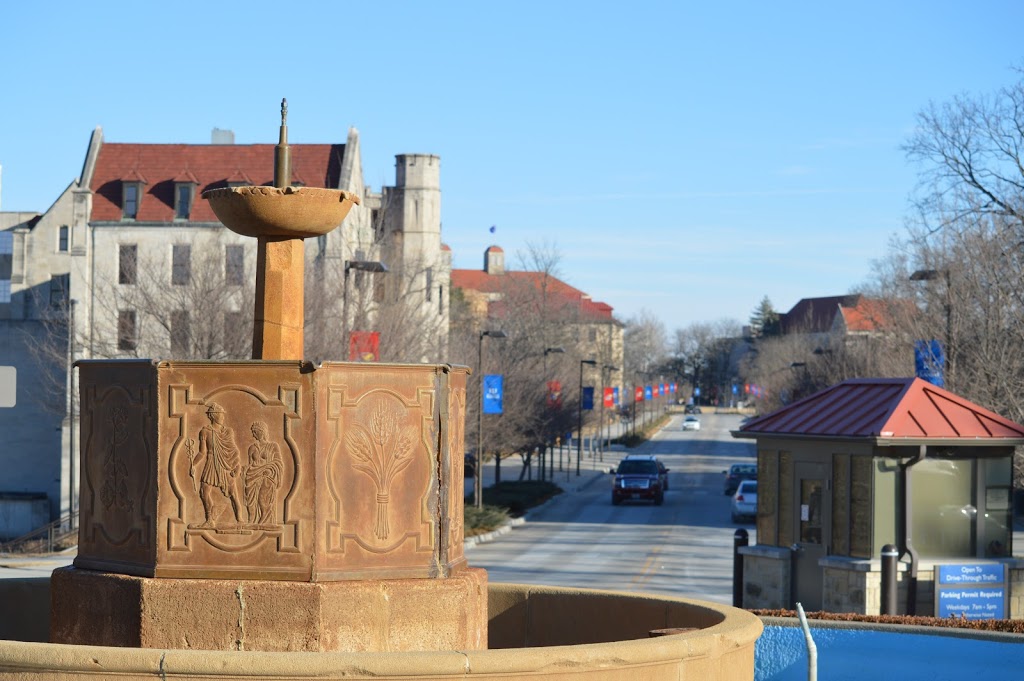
282 155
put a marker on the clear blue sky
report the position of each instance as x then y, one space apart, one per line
684 158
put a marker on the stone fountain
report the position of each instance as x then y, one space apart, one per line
238 516
272 504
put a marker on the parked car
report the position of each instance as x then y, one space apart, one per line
640 477
691 409
744 501
737 473
691 423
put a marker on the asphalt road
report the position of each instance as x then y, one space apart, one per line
682 548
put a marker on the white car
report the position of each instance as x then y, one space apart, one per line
691 423
744 501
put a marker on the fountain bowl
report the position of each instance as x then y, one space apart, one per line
282 212
536 632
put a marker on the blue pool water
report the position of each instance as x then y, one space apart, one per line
855 654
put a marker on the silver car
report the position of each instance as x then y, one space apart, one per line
744 501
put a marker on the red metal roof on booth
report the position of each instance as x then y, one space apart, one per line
884 408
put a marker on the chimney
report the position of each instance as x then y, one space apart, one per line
219 136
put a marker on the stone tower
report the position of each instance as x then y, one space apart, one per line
410 224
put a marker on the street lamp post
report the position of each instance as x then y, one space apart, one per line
929 275
362 266
478 465
579 429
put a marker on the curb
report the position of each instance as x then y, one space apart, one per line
486 537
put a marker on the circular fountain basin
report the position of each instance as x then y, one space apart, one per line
535 632
289 212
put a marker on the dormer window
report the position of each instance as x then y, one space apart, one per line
185 184
183 193
131 195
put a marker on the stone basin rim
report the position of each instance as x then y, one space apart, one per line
283 212
737 629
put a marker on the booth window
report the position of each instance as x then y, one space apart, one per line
944 509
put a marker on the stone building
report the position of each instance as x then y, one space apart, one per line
136 261
561 315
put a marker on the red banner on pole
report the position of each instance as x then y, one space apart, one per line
609 398
639 395
554 396
364 346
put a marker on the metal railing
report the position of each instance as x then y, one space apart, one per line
50 538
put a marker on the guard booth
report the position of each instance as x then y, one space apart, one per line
871 462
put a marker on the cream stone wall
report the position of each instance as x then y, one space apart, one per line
766 577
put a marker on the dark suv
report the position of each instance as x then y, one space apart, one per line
641 477
737 473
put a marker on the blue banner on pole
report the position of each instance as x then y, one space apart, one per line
930 362
648 392
615 395
492 393
588 397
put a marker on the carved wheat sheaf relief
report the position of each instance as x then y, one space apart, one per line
381 449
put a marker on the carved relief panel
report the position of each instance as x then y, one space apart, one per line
237 448
379 492
118 450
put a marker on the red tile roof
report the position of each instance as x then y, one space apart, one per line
211 165
871 315
886 408
560 294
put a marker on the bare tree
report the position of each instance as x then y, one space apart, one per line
199 310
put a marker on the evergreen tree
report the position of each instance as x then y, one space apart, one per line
764 321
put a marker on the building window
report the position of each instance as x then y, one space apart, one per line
127 263
183 200
440 300
430 283
131 193
180 333
181 264
234 265
592 335
62 239
126 330
59 290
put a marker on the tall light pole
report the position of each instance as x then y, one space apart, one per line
929 275
362 266
478 466
579 429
